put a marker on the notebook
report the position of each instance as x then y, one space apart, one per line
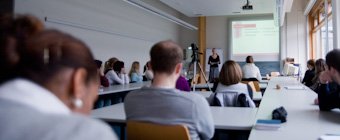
267 124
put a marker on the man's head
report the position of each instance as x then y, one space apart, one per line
333 63
166 58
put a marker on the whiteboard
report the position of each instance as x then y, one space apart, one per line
208 52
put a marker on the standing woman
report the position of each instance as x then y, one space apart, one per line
135 75
213 61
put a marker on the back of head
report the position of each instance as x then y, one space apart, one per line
98 63
117 66
165 55
249 59
50 52
320 65
109 64
333 59
311 62
231 73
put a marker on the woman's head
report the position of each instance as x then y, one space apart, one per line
134 67
320 65
117 66
249 59
64 65
14 32
311 64
231 73
213 50
109 64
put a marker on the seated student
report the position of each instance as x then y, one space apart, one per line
57 87
148 74
117 75
162 103
250 70
13 33
320 66
103 80
109 64
330 99
182 84
310 73
135 75
230 80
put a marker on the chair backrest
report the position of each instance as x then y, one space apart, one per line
137 130
274 74
255 85
233 99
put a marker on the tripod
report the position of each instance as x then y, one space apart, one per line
202 72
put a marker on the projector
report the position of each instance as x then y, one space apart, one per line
247 7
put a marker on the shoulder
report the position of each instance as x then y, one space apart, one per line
81 127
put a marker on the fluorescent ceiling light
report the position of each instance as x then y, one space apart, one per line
160 13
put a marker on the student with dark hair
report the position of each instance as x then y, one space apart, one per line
103 80
148 74
310 73
329 97
320 66
117 75
162 103
57 86
250 70
13 33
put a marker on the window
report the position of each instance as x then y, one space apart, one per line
320 37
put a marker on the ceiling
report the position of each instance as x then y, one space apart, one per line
195 8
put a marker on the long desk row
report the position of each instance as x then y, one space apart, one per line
304 121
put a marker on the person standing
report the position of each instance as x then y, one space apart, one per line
214 61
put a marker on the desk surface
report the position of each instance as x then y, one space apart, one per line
122 88
229 118
304 120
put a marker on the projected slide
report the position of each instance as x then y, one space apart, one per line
259 38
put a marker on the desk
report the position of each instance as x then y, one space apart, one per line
203 86
227 118
304 120
123 88
257 96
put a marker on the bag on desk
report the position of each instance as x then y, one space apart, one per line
280 114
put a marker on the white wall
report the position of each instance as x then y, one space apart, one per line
217 33
135 30
294 34
336 23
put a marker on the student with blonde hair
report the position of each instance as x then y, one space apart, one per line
135 75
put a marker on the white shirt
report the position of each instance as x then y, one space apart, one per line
250 70
31 94
117 79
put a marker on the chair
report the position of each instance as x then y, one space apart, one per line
255 85
137 130
232 99
274 74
